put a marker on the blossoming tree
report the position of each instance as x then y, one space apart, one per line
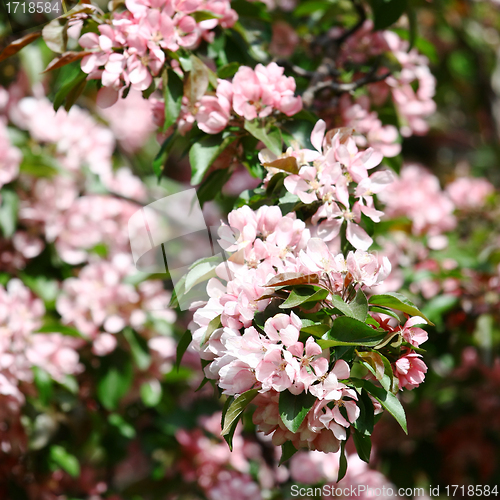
291 120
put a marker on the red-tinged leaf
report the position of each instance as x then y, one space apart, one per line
17 45
288 279
63 59
275 295
287 164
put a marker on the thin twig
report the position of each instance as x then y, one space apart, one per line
296 69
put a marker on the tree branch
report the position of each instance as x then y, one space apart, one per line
340 88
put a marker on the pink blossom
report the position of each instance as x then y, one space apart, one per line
131 121
412 334
469 193
313 364
277 370
329 388
257 92
368 127
418 196
410 370
78 138
366 269
214 111
21 347
99 299
283 328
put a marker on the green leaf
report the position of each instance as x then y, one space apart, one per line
384 310
151 393
74 93
398 302
212 185
8 212
212 326
203 153
272 139
138 348
301 295
202 272
363 446
287 451
387 12
161 157
351 332
357 309
182 347
70 383
124 428
314 328
300 130
412 26
365 422
294 408
388 400
114 384
65 460
228 70
173 91
233 414
70 91
43 383
53 327
310 7
46 288
342 462
204 15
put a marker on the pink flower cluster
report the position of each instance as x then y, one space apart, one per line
412 89
51 208
337 167
369 130
409 368
99 303
222 474
324 426
131 121
251 94
416 194
133 47
225 475
21 348
413 106
79 140
265 244
313 467
469 193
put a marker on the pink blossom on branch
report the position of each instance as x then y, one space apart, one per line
253 93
